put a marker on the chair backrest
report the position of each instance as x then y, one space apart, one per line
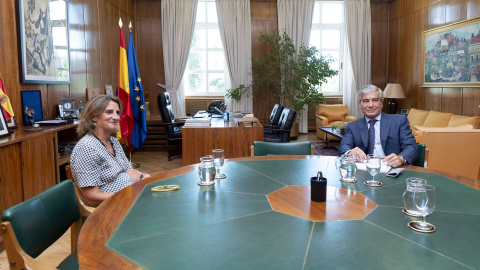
333 112
290 148
166 112
276 113
85 209
420 161
41 220
285 122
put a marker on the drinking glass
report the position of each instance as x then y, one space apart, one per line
409 195
206 171
219 159
374 163
424 203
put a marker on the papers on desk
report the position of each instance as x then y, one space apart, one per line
197 122
362 166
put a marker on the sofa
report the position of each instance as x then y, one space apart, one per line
452 141
328 115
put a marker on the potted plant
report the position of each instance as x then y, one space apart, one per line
291 76
239 92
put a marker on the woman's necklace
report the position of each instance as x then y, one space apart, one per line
113 148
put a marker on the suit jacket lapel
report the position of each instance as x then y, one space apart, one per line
384 129
364 133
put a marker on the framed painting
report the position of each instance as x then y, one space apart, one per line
44 43
4 131
451 55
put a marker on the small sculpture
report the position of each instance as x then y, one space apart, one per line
29 112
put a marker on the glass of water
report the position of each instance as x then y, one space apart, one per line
409 195
374 163
206 171
219 159
424 202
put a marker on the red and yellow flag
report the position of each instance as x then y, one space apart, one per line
123 92
5 102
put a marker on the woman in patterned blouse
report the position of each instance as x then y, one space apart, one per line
98 164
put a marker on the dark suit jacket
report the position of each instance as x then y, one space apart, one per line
395 136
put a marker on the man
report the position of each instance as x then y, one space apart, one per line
390 138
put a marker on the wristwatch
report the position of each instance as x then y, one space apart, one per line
404 160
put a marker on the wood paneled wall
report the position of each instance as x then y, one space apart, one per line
94 49
397 48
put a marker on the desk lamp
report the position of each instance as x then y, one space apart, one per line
393 91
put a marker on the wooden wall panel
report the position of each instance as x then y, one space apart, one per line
450 98
436 14
433 99
473 9
416 97
92 45
455 10
78 65
471 101
10 176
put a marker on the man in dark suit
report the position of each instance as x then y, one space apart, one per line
387 135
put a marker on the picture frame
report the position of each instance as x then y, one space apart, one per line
12 123
4 131
451 55
92 92
109 90
44 41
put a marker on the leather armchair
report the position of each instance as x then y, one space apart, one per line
172 127
328 115
274 116
281 133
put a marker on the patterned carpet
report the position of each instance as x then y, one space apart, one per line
330 150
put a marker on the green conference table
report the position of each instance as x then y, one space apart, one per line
261 217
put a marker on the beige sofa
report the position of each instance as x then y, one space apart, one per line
452 141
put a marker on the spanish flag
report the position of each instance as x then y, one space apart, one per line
5 102
123 92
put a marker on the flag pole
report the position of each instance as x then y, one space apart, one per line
134 165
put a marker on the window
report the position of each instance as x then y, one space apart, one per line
327 36
206 70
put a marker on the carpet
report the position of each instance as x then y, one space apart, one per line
320 149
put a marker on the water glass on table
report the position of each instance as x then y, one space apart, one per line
219 159
206 171
409 195
423 202
374 164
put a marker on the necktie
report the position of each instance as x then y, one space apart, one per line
371 137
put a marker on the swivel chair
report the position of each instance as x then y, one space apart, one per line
281 132
274 116
32 226
172 127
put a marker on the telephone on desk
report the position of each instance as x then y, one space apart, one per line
216 107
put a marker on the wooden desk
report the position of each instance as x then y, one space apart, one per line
233 225
29 162
233 138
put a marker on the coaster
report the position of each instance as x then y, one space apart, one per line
420 226
200 183
220 176
372 183
348 181
406 212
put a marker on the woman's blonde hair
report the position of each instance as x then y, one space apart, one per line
94 107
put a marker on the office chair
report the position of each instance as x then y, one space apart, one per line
32 226
281 132
420 160
271 148
172 127
274 116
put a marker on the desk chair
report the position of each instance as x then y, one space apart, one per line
291 148
281 133
274 116
172 127
32 226
420 161
85 210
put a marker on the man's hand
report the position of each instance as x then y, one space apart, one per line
393 160
361 156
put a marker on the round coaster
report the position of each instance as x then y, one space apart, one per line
220 176
372 183
348 181
406 212
200 183
420 226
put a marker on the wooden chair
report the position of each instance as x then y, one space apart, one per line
291 148
86 209
32 226
421 157
172 127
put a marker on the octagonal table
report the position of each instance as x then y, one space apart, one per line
261 217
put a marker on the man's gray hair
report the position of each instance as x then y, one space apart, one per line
367 89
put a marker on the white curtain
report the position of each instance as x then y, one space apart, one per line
178 24
295 17
358 32
235 30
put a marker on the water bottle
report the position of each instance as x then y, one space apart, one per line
226 116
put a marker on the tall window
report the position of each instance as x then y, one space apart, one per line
327 36
205 73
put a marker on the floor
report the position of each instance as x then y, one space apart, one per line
150 162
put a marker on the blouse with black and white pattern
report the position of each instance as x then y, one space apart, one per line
93 165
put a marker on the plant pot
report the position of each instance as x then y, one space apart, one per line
294 131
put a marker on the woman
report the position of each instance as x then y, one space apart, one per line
99 165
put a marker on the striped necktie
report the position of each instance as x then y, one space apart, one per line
371 137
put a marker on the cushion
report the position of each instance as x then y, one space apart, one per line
416 117
437 119
458 120
333 112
